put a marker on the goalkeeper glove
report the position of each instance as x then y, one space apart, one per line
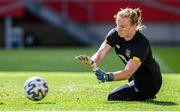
86 60
103 76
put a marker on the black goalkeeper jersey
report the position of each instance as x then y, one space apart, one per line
149 71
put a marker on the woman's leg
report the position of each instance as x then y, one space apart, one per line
125 92
131 92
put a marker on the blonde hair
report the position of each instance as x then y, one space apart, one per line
133 14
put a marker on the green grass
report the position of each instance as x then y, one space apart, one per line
63 59
169 56
81 91
73 86
51 60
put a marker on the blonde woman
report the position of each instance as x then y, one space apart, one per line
133 48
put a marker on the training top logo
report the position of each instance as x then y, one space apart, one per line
118 46
128 53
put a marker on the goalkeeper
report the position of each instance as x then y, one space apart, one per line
133 48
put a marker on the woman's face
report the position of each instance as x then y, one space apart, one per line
124 27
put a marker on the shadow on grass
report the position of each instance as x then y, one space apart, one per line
162 103
1 103
45 103
155 102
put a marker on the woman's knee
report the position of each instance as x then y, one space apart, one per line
114 97
110 97
118 93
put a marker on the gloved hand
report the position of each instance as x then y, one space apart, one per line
86 60
103 76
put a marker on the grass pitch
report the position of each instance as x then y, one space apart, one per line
74 87
80 91
43 59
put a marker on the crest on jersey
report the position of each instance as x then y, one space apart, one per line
128 53
118 46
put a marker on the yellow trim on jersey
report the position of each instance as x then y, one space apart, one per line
136 59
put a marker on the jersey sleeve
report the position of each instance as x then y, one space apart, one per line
140 51
110 39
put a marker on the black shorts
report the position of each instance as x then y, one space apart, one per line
133 92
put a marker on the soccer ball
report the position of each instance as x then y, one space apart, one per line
35 88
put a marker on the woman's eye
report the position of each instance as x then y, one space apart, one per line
122 26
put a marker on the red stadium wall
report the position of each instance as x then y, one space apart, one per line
96 11
103 11
12 8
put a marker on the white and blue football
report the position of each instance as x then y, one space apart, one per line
35 88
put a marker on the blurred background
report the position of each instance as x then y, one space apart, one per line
81 23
